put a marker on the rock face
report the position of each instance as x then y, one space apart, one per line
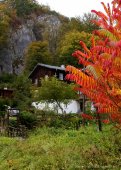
50 29
44 27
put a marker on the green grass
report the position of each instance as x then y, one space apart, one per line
59 149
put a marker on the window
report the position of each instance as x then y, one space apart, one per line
36 81
60 76
46 77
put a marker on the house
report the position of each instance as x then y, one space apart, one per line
44 70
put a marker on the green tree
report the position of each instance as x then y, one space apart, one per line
6 80
22 93
21 86
23 7
36 52
69 43
87 22
80 24
70 25
55 91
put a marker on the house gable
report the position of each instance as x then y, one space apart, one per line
43 70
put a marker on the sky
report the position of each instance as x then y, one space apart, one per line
74 8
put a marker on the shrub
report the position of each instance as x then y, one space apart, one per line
13 123
28 119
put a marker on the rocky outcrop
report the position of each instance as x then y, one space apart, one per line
44 27
50 29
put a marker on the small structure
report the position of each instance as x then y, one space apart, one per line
8 115
13 112
44 70
12 115
12 130
6 93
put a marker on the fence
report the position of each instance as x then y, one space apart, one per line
20 131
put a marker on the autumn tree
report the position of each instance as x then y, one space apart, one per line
71 24
22 7
4 26
36 52
101 78
69 43
79 24
9 22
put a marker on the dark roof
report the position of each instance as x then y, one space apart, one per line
47 66
5 89
52 67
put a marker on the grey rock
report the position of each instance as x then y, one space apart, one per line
44 27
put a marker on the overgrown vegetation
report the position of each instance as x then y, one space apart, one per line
21 87
63 149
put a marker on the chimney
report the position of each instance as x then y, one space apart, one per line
63 66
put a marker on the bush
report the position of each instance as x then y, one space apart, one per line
69 121
13 123
28 119
3 103
51 119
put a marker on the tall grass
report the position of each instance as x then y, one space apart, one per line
59 149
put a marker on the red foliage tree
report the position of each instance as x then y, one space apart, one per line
100 79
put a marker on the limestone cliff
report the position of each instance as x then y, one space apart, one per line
43 27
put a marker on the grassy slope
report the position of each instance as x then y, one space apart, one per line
57 149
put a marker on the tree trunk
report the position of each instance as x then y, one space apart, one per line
99 121
59 105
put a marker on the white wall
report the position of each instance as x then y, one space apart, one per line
72 107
